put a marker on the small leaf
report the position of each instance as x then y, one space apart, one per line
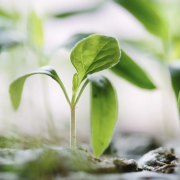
93 54
147 14
174 69
16 86
132 72
104 108
75 82
36 29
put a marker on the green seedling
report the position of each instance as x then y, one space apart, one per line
93 54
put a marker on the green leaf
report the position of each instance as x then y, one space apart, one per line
104 109
36 29
16 87
174 69
132 72
147 13
93 54
75 82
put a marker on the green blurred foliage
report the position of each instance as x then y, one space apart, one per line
132 72
14 15
145 11
97 6
35 28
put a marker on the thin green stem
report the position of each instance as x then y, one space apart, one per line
81 91
73 103
73 121
73 128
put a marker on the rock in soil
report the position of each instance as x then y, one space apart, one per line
132 145
160 160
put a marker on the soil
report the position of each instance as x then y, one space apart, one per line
51 162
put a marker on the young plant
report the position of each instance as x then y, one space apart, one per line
93 54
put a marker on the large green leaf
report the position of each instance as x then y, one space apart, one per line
104 110
132 72
174 69
16 86
36 29
146 12
93 54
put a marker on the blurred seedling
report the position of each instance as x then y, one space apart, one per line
92 54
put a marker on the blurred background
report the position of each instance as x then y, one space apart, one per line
36 33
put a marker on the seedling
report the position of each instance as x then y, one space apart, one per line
93 54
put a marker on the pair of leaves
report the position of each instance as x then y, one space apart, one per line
90 55
147 14
127 68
